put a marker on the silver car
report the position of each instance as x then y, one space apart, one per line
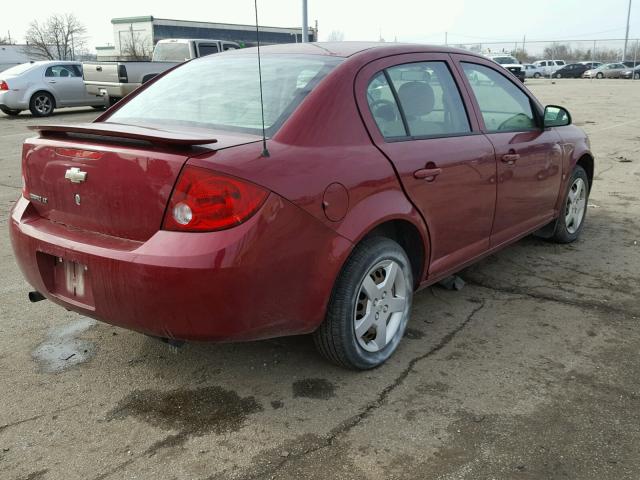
44 86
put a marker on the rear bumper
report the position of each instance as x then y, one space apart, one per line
116 90
270 276
13 99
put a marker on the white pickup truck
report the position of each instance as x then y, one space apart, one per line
115 80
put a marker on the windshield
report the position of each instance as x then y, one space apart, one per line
18 69
222 92
505 60
171 52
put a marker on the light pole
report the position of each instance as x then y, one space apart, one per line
305 22
626 36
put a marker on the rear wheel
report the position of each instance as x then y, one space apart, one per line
637 76
41 104
12 112
558 75
536 75
369 306
571 220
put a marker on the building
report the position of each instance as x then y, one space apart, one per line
144 32
11 55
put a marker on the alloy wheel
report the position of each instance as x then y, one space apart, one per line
576 205
381 307
43 104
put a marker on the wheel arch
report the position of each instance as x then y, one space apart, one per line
587 162
407 235
44 90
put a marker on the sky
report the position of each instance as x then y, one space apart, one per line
425 21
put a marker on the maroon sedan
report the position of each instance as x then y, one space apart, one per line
386 169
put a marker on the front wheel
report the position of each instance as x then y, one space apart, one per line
558 75
600 75
12 112
637 76
571 220
369 306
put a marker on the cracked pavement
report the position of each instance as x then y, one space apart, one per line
530 372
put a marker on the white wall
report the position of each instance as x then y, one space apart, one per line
11 55
142 30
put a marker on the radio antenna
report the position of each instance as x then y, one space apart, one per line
265 152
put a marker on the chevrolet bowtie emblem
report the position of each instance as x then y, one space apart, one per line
75 175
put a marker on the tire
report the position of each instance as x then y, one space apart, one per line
10 111
98 107
558 75
570 223
351 307
42 104
599 75
637 76
536 75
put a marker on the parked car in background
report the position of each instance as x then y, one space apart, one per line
42 87
591 65
376 177
531 71
607 70
631 64
631 73
115 80
572 70
547 67
508 62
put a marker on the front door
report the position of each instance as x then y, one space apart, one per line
529 158
416 115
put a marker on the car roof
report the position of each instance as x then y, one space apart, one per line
349 49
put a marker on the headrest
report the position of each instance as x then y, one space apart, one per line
417 98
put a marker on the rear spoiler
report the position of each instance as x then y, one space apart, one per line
105 129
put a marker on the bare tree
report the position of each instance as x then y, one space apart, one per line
135 45
56 38
335 36
5 41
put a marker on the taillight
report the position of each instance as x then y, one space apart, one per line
122 74
3 85
204 201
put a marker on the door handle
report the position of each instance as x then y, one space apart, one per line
510 158
428 174
52 81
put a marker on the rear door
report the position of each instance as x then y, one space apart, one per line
529 157
415 112
66 83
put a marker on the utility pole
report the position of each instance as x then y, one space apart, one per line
626 36
305 23
445 38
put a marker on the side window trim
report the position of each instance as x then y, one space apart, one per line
398 105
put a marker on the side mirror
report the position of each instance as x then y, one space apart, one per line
555 116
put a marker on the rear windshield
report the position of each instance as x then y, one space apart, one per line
18 69
505 60
222 92
171 52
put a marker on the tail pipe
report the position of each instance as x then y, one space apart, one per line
36 296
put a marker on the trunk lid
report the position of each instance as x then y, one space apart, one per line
83 177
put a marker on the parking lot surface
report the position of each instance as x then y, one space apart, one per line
532 371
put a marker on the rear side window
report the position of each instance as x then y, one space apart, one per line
207 49
504 106
62 71
429 101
